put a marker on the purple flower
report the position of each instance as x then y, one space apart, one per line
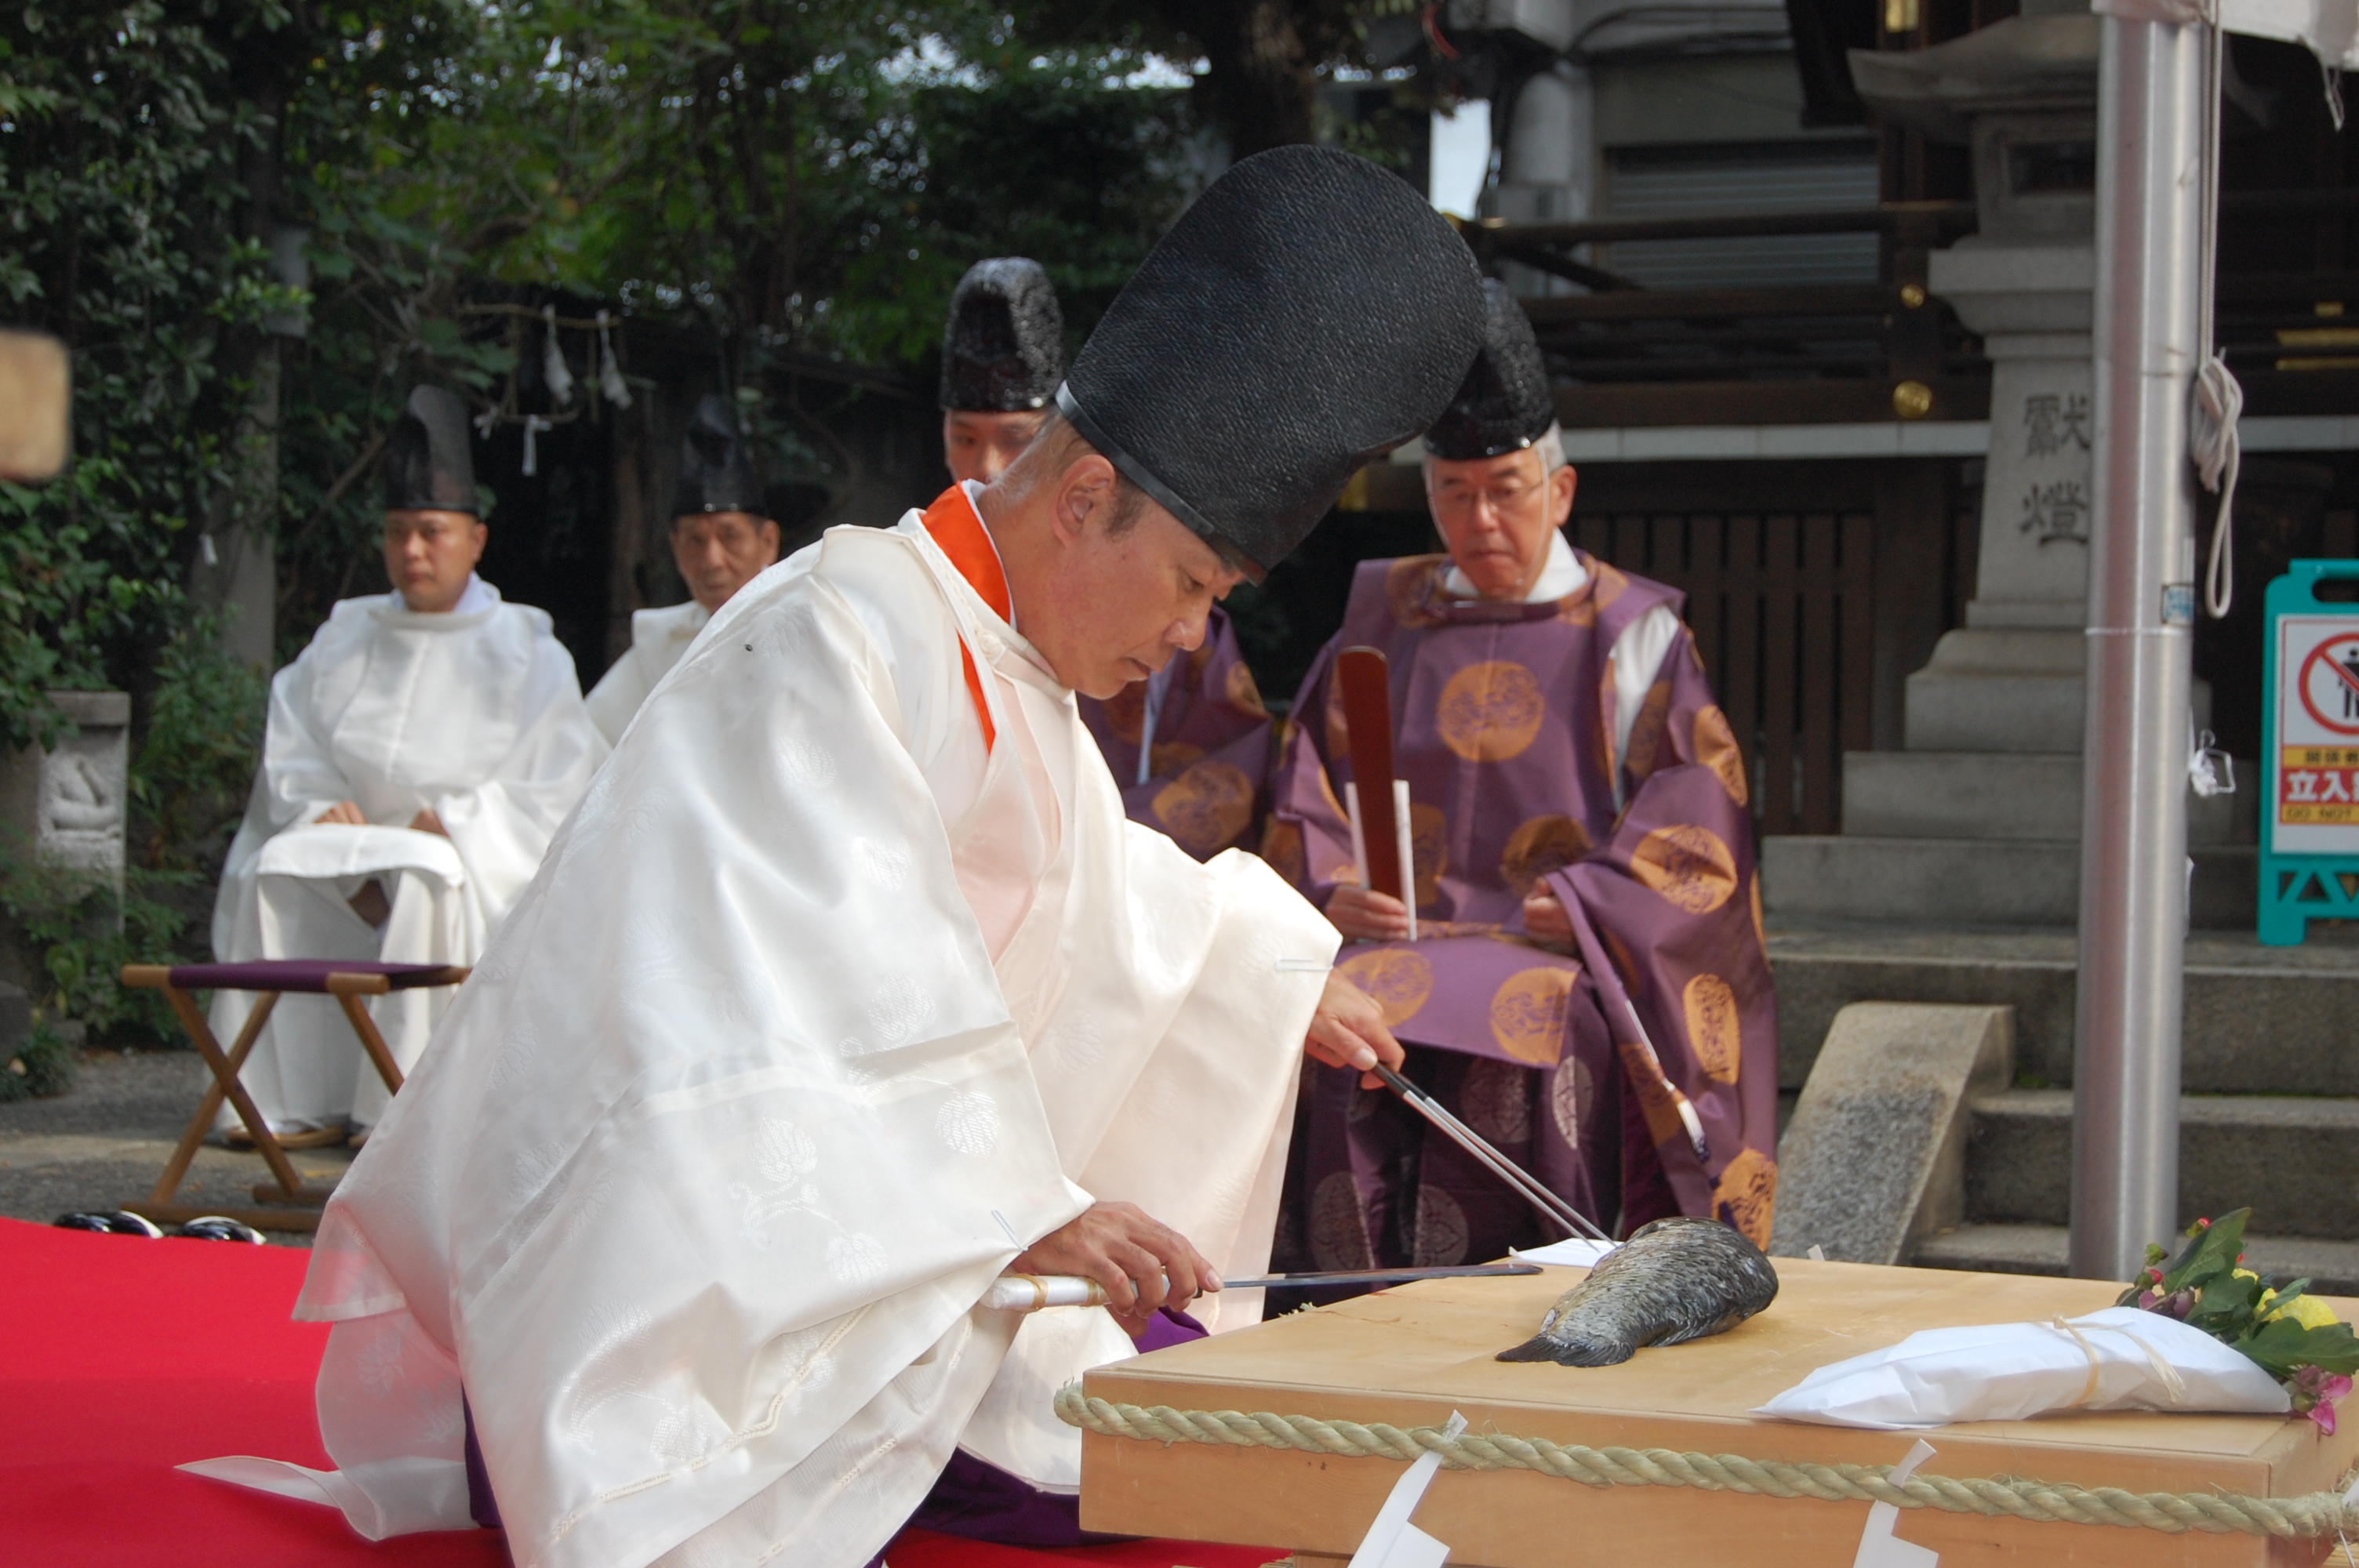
2315 1392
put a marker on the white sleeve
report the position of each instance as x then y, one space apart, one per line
1637 660
503 825
616 697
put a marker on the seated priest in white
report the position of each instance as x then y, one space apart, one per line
850 986
721 538
421 755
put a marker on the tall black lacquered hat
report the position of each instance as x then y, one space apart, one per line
717 472
1505 403
1310 313
430 458
1003 349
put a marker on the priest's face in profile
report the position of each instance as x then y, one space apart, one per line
720 552
1497 515
428 555
980 446
1106 584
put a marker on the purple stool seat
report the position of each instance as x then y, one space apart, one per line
303 974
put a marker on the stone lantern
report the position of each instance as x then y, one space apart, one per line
1978 819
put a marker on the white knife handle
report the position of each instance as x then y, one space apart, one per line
1031 1293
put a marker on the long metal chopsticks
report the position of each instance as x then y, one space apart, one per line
1527 1186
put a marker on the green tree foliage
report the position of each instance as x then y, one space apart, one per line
791 177
795 176
118 155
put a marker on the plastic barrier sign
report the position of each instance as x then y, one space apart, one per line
2309 829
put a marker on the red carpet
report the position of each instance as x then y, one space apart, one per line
128 1356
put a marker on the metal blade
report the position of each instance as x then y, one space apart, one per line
1381 1276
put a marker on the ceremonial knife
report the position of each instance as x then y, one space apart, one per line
1030 1293
1379 802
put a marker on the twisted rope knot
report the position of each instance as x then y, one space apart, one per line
2317 1515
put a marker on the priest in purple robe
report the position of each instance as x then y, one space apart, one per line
1190 744
1588 988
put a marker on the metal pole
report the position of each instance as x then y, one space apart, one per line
2152 79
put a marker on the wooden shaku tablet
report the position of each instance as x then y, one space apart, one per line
1365 682
1408 1356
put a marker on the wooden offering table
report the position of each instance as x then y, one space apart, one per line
1406 1358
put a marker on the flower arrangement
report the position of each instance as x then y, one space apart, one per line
2293 1337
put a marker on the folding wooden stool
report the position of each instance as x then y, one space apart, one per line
293 1205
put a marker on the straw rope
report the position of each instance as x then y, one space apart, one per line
2317 1515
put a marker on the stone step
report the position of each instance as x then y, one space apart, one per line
2292 1160
2258 1019
2333 1267
1967 882
2005 795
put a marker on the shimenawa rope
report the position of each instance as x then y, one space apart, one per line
2317 1515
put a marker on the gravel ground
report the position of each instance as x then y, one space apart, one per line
104 1144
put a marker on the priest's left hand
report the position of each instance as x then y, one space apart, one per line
1545 922
427 822
1348 1030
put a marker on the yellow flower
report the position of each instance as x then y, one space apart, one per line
2307 1311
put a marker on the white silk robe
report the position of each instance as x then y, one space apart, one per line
816 1016
658 637
474 715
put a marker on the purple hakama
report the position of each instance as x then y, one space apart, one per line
1504 727
1206 741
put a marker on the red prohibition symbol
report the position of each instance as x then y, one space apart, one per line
2345 685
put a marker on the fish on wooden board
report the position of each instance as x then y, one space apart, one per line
1676 1280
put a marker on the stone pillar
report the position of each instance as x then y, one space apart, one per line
2011 679
2021 94
68 802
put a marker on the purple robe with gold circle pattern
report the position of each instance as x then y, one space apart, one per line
1503 727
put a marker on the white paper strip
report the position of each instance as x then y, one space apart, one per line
1579 1253
1359 839
1878 1548
1392 1542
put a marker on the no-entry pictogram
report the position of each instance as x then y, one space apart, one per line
2329 686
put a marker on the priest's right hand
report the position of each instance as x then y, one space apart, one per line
1366 916
345 812
1141 1263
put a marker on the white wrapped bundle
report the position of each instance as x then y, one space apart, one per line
2120 1359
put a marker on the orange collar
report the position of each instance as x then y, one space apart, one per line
959 534
959 531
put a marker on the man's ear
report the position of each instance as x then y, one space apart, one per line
1086 487
1562 486
770 536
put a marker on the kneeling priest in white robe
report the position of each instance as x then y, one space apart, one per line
420 756
851 985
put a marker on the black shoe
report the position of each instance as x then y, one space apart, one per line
118 1222
218 1227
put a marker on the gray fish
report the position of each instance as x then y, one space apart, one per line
1676 1280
